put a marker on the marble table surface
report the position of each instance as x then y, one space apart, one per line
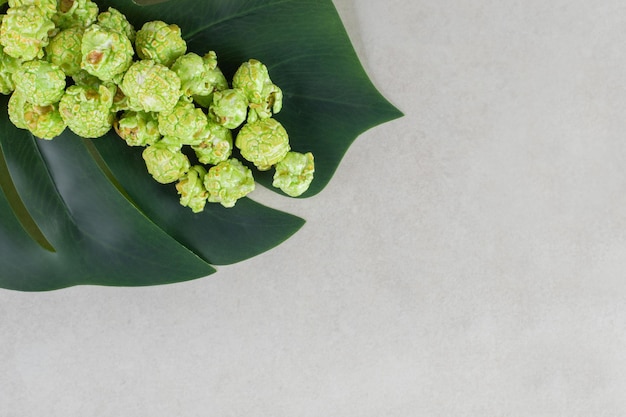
479 269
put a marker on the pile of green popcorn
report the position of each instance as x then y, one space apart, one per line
68 65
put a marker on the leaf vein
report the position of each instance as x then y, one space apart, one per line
359 105
57 193
292 58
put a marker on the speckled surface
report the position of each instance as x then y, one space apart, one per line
478 270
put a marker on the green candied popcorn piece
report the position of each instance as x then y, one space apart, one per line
264 142
160 42
15 108
87 110
49 7
228 181
199 76
64 50
24 32
191 189
294 173
45 122
75 13
216 145
42 82
166 163
185 122
213 81
150 86
265 97
114 20
229 108
8 66
105 53
191 70
138 128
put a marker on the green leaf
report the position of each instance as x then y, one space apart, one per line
77 211
97 236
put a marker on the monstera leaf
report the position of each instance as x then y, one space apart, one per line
77 211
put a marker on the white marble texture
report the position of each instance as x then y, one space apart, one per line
481 271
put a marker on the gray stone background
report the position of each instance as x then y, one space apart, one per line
466 260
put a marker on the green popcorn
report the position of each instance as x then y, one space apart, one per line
265 97
191 189
112 19
264 142
138 128
8 66
24 32
150 86
105 53
212 81
199 76
45 122
42 82
80 13
229 108
294 173
228 181
216 145
64 50
185 122
166 163
49 7
160 42
191 70
17 103
87 110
